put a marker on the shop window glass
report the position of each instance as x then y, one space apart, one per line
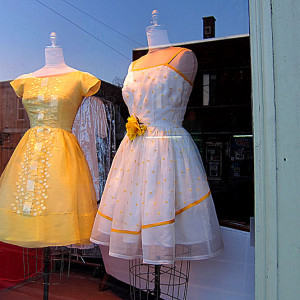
218 117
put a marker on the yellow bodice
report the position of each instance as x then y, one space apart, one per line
53 101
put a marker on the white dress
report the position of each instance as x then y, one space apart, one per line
157 204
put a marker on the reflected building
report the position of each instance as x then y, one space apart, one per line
14 122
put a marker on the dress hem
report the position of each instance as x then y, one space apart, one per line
44 245
98 242
167 262
178 258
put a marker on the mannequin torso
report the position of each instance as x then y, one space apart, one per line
55 63
161 52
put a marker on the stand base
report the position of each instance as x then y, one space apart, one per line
152 281
53 259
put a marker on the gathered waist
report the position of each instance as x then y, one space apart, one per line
48 129
163 123
163 131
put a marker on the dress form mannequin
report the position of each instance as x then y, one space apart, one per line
184 62
157 35
160 51
55 63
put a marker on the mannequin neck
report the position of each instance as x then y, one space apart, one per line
157 38
55 63
54 57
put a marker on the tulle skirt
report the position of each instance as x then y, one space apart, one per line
157 204
47 196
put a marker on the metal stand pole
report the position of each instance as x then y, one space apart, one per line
157 282
46 272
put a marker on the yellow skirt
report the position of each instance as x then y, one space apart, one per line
47 196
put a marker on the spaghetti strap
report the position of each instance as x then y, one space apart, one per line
132 65
176 55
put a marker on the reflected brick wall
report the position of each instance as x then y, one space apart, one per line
13 122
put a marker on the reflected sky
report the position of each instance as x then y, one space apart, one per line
25 26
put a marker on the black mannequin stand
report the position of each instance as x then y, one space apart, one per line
46 274
157 281
52 260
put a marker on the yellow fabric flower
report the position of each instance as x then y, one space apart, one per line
134 127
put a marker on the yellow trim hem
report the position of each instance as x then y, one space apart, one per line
125 231
104 216
159 223
193 204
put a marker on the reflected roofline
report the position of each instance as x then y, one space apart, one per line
202 41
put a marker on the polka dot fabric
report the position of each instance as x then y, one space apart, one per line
157 203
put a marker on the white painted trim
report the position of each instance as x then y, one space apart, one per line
264 128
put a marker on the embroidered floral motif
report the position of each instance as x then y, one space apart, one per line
135 127
32 185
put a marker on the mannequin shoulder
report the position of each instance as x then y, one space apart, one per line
184 56
186 62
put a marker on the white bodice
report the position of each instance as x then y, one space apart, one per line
157 95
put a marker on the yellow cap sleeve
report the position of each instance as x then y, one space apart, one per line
90 84
18 86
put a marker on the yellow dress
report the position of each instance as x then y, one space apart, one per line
47 196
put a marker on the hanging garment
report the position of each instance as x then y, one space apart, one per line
106 147
47 196
157 204
90 123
